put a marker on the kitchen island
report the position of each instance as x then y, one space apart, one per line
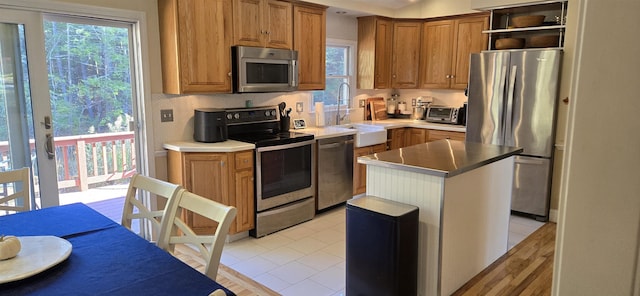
463 192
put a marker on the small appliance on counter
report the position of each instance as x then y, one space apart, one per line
444 114
209 125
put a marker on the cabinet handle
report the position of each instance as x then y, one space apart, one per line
222 163
229 74
268 32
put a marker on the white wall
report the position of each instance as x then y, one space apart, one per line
598 230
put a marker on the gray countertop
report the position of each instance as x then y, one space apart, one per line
445 158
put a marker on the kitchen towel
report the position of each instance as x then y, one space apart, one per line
319 113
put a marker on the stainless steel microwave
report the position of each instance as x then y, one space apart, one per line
445 114
258 69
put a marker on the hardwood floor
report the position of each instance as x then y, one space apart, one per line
527 268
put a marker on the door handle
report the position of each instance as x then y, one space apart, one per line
49 147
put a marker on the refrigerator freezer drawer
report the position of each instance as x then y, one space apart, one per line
531 186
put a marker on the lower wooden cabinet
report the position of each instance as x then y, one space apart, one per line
360 170
435 135
396 138
226 178
416 136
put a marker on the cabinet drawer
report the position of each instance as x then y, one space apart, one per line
435 135
244 160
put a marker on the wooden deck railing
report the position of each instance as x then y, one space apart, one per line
89 159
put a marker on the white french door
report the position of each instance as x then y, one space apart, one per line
70 91
27 132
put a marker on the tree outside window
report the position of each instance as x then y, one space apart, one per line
338 71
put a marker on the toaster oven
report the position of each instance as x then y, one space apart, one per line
445 114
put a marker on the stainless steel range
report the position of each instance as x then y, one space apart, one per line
284 171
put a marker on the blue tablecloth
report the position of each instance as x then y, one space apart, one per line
106 259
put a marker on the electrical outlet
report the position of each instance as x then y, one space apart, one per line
166 115
361 103
413 102
299 107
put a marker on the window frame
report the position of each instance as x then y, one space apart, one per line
351 46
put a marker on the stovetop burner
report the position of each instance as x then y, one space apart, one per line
271 139
260 126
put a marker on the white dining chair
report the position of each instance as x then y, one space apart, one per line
136 208
16 186
175 231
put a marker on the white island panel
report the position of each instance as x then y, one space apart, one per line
475 222
425 192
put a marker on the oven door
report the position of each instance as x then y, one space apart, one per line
284 173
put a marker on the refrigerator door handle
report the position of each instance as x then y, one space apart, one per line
509 106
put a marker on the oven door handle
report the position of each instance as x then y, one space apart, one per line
285 146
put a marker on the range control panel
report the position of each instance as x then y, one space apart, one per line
252 115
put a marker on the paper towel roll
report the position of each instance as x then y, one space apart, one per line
319 113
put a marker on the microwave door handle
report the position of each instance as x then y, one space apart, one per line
293 66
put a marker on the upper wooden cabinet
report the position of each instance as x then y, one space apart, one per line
406 54
263 23
195 41
446 47
309 39
375 45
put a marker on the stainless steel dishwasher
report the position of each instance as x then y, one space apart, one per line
335 171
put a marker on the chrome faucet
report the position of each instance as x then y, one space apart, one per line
338 118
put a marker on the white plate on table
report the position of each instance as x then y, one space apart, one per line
38 253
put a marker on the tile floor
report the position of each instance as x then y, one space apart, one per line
309 258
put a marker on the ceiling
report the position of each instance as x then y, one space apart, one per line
393 4
366 7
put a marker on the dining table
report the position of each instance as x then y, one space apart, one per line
105 259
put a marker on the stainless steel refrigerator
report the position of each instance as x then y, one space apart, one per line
512 101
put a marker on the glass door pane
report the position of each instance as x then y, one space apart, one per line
90 80
16 124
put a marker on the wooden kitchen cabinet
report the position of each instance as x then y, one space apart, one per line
445 50
195 41
406 53
375 45
434 135
360 170
396 138
416 136
226 178
263 23
309 39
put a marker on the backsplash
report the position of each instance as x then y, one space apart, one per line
181 128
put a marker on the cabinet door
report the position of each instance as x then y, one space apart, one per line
278 24
309 39
247 22
383 54
406 54
360 171
245 202
436 54
206 174
243 192
468 39
203 39
416 136
435 135
397 136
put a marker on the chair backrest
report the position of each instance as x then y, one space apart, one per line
175 231
135 207
17 197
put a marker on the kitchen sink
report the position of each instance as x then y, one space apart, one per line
368 135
